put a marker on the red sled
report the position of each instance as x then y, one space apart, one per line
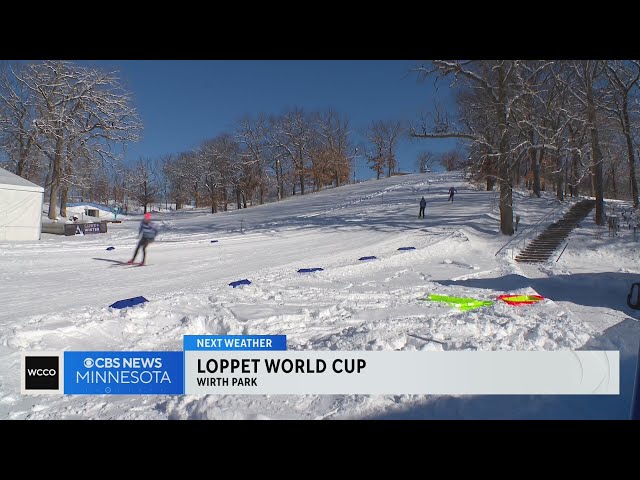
519 300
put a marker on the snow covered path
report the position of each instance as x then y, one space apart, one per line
55 295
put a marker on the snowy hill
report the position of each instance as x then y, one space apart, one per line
55 295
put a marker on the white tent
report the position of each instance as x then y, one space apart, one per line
20 208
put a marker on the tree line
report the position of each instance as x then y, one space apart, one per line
567 126
570 126
268 158
66 127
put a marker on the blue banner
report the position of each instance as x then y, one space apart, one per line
124 373
235 342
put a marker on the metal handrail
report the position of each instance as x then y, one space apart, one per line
533 228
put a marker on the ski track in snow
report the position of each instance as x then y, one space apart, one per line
57 293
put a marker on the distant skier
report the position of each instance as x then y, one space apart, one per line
423 204
452 190
149 232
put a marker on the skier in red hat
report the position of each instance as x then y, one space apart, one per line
148 231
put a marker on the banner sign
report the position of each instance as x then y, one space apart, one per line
235 342
561 372
124 373
261 365
84 228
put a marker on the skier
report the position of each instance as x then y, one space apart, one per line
149 232
423 203
452 190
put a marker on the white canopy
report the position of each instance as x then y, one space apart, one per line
20 208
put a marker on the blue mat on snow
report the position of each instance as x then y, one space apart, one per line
128 302
111 248
214 241
368 258
239 283
310 270
407 248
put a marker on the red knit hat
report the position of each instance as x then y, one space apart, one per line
147 216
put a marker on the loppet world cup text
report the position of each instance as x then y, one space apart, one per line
278 365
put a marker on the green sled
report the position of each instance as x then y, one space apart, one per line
462 303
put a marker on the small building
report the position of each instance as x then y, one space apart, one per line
20 208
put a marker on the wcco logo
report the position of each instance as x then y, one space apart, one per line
41 373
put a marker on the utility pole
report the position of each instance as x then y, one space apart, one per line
354 166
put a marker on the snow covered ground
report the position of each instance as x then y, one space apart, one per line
54 295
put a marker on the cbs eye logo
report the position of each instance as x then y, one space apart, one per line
42 373
88 362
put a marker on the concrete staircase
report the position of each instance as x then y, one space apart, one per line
545 244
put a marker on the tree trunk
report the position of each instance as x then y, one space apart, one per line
280 180
261 194
64 195
225 198
535 167
596 155
506 200
506 194
575 188
630 153
491 181
55 178
596 165
614 187
238 203
301 171
559 179
244 200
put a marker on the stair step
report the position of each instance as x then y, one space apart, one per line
545 245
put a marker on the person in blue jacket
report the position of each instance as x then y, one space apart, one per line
148 231
452 190
423 204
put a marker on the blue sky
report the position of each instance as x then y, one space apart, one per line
184 102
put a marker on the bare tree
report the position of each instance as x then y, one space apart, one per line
497 84
331 160
218 167
452 160
85 106
17 130
583 83
426 161
292 137
383 136
177 185
143 182
253 136
623 77
278 156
